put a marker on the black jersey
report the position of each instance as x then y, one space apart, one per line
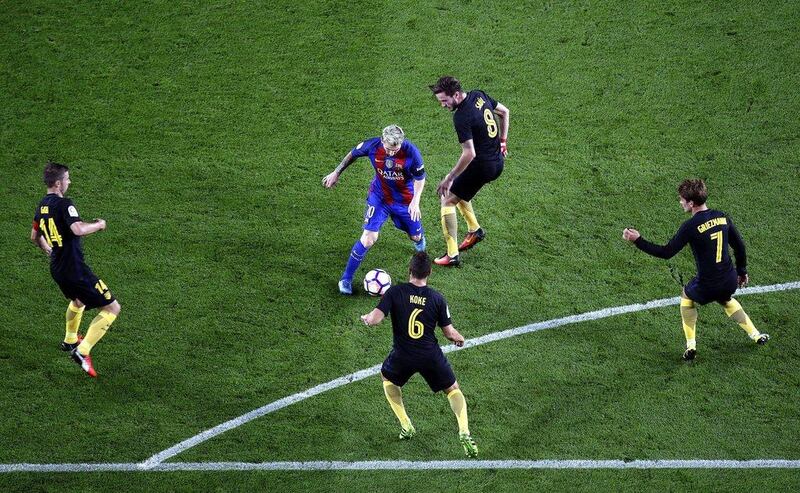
415 312
709 233
474 119
53 219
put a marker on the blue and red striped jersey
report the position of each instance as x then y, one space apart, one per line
394 175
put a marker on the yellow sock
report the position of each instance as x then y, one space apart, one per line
459 406
74 314
689 320
96 331
465 208
735 311
394 395
450 229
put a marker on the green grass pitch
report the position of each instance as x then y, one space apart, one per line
201 131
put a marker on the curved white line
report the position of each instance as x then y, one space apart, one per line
387 465
374 370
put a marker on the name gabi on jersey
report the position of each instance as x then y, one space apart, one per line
417 300
710 224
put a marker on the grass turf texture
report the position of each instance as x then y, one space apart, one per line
201 134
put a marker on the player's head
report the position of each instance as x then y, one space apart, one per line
392 138
448 91
56 177
692 193
420 266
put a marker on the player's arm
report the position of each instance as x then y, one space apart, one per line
666 251
737 244
38 239
451 333
413 207
504 115
80 228
333 177
374 317
467 155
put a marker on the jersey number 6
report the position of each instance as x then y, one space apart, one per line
415 327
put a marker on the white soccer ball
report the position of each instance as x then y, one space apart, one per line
376 282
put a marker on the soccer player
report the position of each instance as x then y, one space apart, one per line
395 192
416 309
57 230
708 232
483 149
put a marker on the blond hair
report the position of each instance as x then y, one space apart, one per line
393 135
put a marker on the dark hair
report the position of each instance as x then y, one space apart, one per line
54 172
446 84
694 191
420 266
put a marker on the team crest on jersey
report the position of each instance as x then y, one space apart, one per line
73 211
389 163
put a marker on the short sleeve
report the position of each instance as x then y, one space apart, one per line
69 212
416 166
491 101
444 313
363 148
385 305
463 126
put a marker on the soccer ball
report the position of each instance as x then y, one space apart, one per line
376 282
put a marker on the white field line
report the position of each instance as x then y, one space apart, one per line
395 465
496 336
155 462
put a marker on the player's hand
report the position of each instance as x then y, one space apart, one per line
414 212
101 223
630 234
743 280
364 319
330 180
503 148
458 339
444 186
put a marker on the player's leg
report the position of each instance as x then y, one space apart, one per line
689 322
440 377
735 312
375 215
394 394
96 296
459 406
357 255
450 230
474 231
99 326
73 323
413 228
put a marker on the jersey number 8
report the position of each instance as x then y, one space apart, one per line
491 125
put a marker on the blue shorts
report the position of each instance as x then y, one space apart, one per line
377 212
705 292
435 369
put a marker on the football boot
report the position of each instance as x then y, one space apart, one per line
447 261
472 239
85 362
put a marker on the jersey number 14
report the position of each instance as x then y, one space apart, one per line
50 232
